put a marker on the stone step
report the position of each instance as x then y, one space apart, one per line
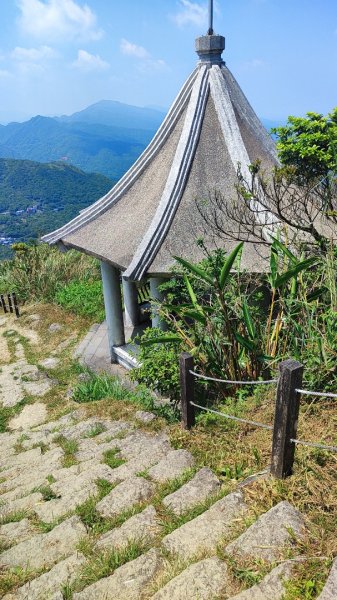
128 582
271 587
204 580
141 528
13 533
204 533
203 485
44 550
329 591
270 535
126 495
172 466
48 584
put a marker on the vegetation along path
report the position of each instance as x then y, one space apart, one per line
102 500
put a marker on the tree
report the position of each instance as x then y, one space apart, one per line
309 144
300 195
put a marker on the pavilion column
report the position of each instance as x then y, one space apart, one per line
155 282
113 305
131 306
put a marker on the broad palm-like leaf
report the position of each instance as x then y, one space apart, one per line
301 266
195 270
226 269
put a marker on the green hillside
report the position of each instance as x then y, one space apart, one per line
104 138
36 198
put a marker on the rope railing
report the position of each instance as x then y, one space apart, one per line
289 391
314 445
232 417
230 382
318 394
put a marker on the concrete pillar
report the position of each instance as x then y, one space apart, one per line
113 305
155 282
131 306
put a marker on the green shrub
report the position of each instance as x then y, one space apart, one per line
38 271
84 298
159 366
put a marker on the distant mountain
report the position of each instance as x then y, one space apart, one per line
116 114
37 198
106 137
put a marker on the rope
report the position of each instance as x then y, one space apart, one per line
216 412
232 382
320 394
312 445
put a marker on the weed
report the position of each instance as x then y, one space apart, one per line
103 564
13 517
69 447
95 430
111 459
47 492
104 487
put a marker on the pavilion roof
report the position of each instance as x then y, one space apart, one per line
150 215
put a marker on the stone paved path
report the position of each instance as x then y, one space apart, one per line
128 531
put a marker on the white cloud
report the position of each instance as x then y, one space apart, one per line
191 13
131 49
146 62
32 54
4 73
89 62
55 19
255 63
151 64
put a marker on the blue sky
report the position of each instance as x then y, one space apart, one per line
59 56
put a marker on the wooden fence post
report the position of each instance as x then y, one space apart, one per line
10 303
187 390
3 303
286 418
16 307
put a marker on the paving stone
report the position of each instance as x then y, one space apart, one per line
22 459
13 533
5 355
47 548
26 504
271 587
36 474
57 508
35 318
125 496
48 585
269 535
145 417
329 591
54 327
196 491
50 363
143 527
127 582
138 442
11 392
72 492
30 416
172 466
204 580
204 533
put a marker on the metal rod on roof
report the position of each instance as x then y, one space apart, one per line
210 14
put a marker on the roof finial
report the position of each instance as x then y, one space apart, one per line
210 18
